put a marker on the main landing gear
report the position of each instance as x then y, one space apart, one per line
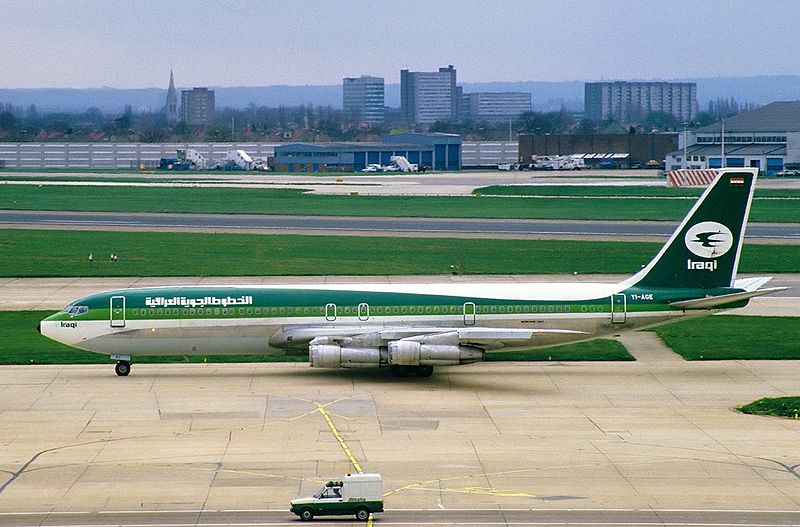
123 367
411 371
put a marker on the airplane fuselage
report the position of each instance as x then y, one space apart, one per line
283 320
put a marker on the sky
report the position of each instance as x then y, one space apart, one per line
134 43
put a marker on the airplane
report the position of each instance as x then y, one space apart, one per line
411 328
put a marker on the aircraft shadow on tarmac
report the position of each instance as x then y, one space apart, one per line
444 378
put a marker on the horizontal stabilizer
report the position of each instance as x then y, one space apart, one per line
710 302
751 284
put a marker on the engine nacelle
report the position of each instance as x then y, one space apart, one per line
333 356
413 353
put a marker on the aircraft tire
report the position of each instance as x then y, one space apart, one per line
424 371
123 368
400 371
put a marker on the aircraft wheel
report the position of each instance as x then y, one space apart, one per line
400 371
306 515
362 513
123 368
424 371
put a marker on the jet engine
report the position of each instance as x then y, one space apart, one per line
413 353
333 356
440 349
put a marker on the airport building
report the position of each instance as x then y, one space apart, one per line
429 96
601 150
494 107
433 151
197 106
630 102
363 99
767 138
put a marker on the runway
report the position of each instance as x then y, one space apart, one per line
374 226
403 517
620 443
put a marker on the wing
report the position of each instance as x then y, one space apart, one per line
358 336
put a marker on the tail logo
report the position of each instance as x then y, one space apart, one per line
709 239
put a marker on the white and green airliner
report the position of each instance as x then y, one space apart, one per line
411 328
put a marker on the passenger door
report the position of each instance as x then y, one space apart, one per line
117 310
618 308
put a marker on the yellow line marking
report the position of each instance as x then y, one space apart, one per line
339 438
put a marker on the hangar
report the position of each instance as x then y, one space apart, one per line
767 138
435 151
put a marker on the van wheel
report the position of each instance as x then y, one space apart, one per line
306 515
362 513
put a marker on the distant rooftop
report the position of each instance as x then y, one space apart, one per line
782 116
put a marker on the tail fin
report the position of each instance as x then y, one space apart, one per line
704 250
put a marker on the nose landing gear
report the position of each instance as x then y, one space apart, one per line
123 367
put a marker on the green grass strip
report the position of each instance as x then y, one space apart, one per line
621 191
599 350
46 253
732 337
21 344
776 406
297 202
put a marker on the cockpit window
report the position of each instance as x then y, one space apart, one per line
76 310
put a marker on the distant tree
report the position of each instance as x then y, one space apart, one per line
585 127
660 120
442 127
544 123
32 115
704 119
94 115
8 123
122 123
723 108
611 127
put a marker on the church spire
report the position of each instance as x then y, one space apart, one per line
171 108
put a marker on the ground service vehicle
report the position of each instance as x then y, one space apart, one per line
359 494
